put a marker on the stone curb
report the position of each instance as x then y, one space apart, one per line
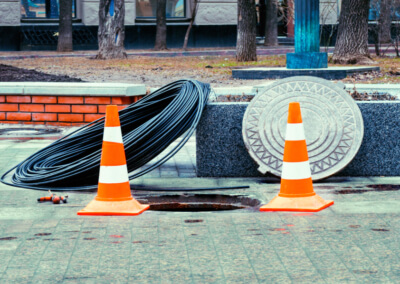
72 89
392 89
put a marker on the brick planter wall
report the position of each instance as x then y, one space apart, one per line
58 110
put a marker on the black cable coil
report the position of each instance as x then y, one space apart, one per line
148 127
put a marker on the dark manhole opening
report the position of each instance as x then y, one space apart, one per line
29 131
199 202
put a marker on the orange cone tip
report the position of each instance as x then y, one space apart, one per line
114 193
296 192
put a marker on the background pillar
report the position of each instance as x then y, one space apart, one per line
306 38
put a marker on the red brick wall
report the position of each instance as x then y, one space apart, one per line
57 110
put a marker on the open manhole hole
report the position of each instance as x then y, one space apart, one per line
29 131
199 202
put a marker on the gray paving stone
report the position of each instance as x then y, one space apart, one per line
354 241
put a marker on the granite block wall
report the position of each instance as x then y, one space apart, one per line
221 151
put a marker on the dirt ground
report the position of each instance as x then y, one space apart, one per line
153 72
13 74
156 72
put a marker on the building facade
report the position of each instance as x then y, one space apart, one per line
33 24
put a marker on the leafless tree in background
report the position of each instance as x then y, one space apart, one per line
246 31
271 23
64 43
352 40
161 34
111 32
194 12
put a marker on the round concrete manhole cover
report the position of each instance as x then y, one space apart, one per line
332 121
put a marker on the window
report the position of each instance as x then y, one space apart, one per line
374 10
43 9
373 14
148 8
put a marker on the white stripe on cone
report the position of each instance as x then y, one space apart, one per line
113 174
296 170
112 134
295 132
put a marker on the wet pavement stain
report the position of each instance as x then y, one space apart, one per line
365 271
350 191
354 226
253 229
89 239
325 186
43 234
8 238
384 187
371 188
79 277
194 221
380 230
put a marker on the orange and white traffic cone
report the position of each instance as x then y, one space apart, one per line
114 193
297 192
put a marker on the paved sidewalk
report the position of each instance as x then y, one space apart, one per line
354 241
172 52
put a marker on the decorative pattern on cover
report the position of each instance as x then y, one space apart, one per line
333 125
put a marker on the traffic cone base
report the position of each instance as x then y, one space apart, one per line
114 208
313 203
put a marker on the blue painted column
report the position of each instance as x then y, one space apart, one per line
306 37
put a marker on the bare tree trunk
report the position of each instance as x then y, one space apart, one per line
290 18
64 43
194 12
111 33
161 34
246 31
271 23
385 21
352 40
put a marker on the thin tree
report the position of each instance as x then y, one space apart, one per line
246 31
271 23
64 43
385 21
161 33
111 32
352 40
194 12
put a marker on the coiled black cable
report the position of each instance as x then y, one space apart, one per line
148 127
